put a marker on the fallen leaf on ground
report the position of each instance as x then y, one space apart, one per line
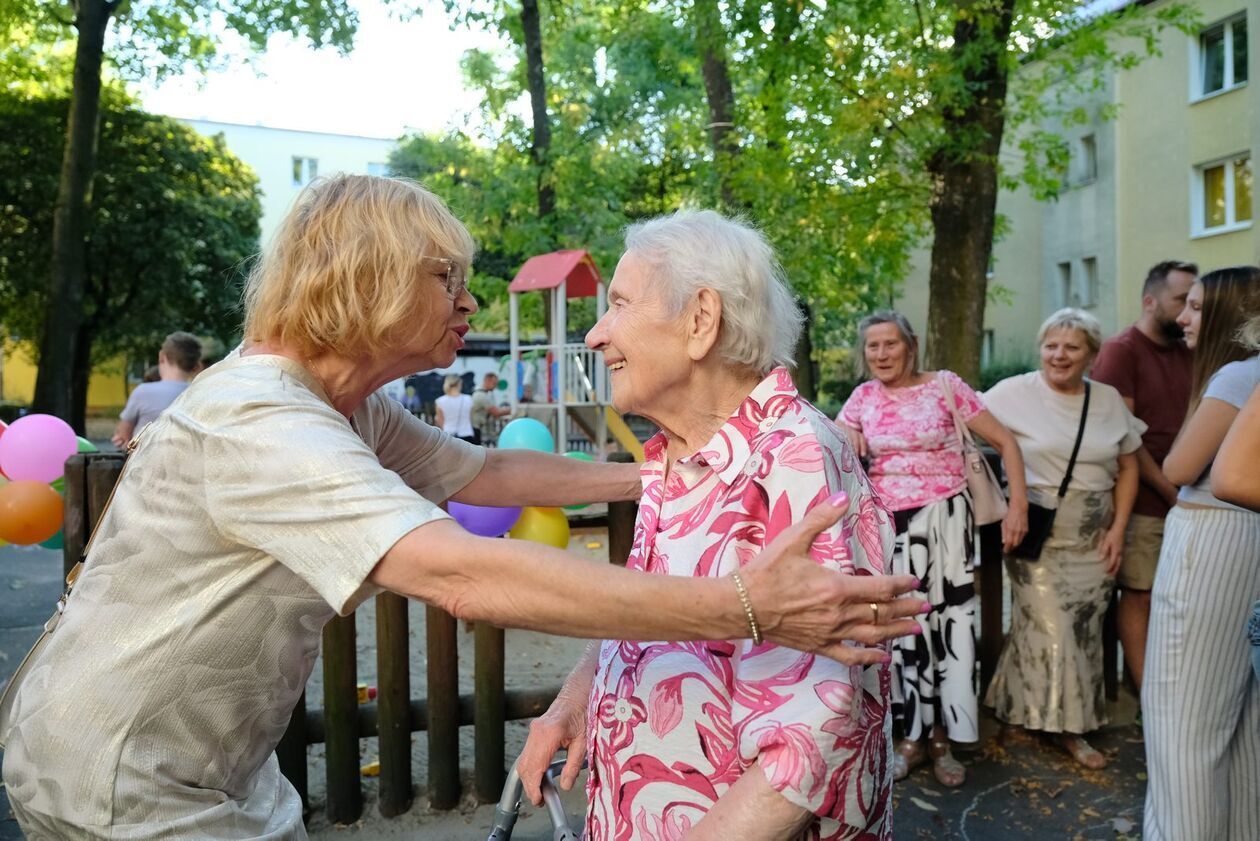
923 804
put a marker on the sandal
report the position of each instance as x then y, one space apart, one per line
1083 752
908 756
948 771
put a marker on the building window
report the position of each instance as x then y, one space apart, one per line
986 349
1222 56
1222 200
378 169
1089 294
1065 285
304 169
1086 159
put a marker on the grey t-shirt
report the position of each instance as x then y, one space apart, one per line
151 399
1232 384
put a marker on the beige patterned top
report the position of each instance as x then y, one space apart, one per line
250 513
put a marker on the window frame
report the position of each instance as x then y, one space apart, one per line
306 165
1198 56
1198 219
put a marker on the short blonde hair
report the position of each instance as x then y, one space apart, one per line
340 273
453 383
1070 318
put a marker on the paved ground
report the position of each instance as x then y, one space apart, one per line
1021 788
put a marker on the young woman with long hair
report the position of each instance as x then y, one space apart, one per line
1200 701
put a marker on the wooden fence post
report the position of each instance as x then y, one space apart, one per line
291 753
488 716
393 700
621 517
75 527
341 706
443 708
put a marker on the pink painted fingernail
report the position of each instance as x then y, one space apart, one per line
839 500
886 659
927 608
918 630
918 583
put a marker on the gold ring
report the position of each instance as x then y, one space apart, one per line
874 613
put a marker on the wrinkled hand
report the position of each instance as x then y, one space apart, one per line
804 606
856 438
563 725
1111 549
1014 526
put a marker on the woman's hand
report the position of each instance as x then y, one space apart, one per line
804 606
1111 548
1014 525
563 725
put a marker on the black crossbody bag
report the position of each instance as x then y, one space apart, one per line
1041 518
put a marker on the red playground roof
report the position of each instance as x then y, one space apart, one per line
574 268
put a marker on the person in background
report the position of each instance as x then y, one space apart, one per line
151 374
1200 700
1149 364
902 420
454 411
484 407
1050 675
179 361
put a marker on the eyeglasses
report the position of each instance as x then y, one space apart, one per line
454 278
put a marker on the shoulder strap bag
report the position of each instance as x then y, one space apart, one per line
1041 518
988 503
10 688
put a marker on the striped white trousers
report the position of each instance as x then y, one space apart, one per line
1200 699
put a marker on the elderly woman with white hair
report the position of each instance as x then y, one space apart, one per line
720 740
1050 676
284 488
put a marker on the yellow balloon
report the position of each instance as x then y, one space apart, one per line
542 525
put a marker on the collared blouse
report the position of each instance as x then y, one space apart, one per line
673 725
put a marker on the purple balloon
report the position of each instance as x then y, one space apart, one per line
483 520
36 447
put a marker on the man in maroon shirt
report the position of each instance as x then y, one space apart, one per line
1149 365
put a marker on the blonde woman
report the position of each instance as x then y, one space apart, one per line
282 489
454 411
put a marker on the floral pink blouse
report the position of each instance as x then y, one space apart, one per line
673 725
915 458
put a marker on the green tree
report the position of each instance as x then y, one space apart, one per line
154 37
174 221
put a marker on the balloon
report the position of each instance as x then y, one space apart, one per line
501 385
86 446
527 434
542 525
58 485
35 448
484 520
29 512
580 456
57 541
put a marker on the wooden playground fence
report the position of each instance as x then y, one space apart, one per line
343 721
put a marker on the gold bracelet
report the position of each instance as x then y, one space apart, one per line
748 611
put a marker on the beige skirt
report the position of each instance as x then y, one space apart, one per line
1050 674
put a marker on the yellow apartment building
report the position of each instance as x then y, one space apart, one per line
1169 178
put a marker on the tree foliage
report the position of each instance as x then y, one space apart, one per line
175 218
850 120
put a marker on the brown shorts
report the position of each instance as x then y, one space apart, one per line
1142 542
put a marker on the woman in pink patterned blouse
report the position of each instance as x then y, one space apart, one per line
724 739
902 421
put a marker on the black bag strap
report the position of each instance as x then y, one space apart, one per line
1076 448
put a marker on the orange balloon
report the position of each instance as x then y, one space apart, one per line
30 512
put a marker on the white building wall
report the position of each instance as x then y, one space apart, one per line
271 152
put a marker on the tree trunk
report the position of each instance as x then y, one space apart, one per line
964 191
540 148
805 374
711 43
55 385
80 378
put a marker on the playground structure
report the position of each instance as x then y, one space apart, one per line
572 388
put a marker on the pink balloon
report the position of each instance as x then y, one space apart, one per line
35 448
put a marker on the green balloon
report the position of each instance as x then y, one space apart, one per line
579 456
58 485
86 446
501 385
57 541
